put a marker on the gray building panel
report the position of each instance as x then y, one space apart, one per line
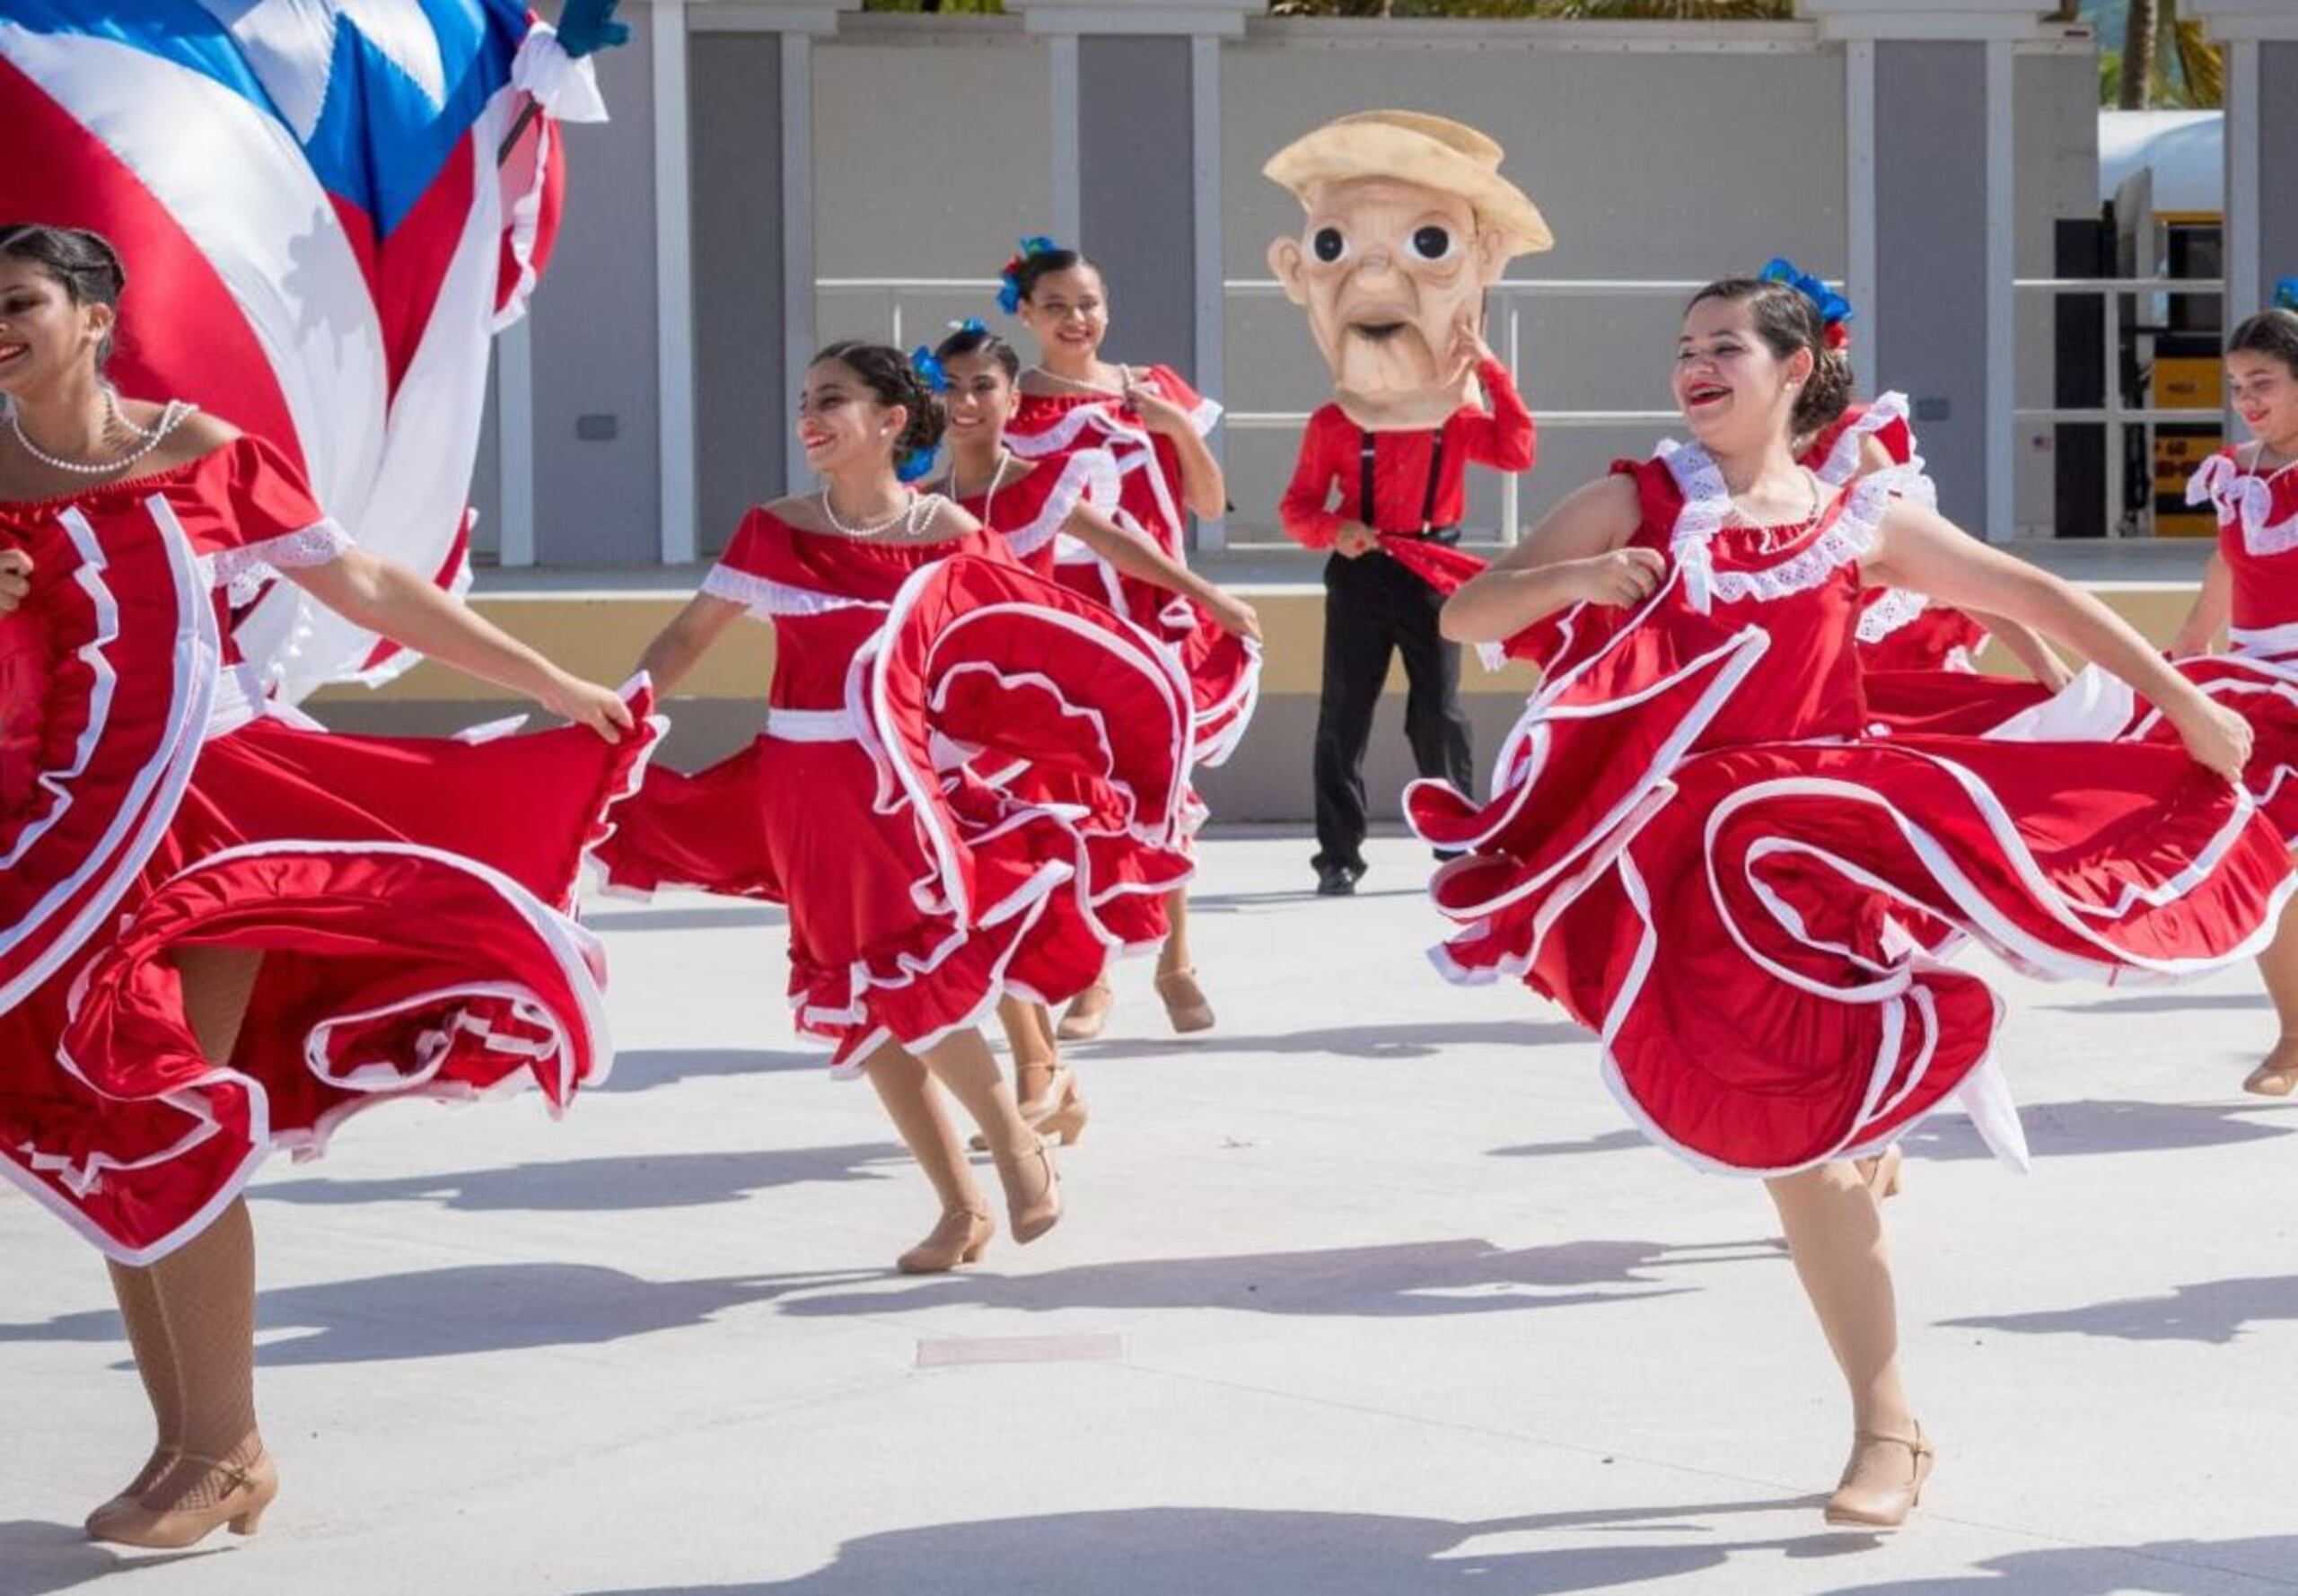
1138 211
486 478
2277 169
598 498
1931 256
742 407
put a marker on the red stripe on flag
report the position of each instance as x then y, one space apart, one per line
181 334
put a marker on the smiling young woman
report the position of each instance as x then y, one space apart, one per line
1695 846
1153 426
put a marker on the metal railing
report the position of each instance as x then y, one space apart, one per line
2116 415
1509 293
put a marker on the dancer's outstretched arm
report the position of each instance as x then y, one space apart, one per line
678 646
1576 556
1143 560
385 597
1922 551
2027 646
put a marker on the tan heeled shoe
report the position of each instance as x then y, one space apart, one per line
1088 1014
251 1488
1059 1110
1185 1005
163 1457
1061 1113
958 1237
1883 1506
1032 1190
2277 1074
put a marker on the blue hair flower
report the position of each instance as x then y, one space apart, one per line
2286 293
971 327
1833 308
1009 296
916 463
929 365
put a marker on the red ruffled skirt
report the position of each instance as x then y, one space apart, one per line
408 899
1001 802
1756 931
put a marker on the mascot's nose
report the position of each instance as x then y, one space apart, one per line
1375 263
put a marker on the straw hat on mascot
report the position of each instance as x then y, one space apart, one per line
1408 221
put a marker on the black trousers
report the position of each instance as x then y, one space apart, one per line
1373 605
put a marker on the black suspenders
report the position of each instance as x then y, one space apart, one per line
1366 512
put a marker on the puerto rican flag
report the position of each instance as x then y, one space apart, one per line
319 239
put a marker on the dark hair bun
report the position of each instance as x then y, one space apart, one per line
886 371
84 262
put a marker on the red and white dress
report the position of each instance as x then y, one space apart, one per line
1223 670
1899 629
923 694
1029 509
1694 849
2257 677
1917 654
407 894
1130 880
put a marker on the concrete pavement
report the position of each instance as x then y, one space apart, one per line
1371 1291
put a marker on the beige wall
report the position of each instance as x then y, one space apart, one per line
598 635
1621 152
931 144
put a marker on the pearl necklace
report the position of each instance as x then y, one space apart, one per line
171 417
913 518
1079 384
996 479
1810 480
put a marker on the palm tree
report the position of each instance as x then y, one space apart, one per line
2142 30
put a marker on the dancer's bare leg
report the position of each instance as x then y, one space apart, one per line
1029 1037
916 1109
201 1299
962 1063
1174 955
1834 1233
1186 1006
2277 1075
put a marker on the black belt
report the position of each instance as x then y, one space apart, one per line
1446 535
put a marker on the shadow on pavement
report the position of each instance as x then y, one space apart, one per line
475 1308
641 1069
1205 1551
632 1184
1406 1280
1428 1040
36 1559
2169 1566
2054 1130
2213 1313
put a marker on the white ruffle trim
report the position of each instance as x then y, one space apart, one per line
1088 477
244 570
1707 504
2245 500
1895 608
765 598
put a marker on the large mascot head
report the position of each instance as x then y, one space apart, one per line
1408 221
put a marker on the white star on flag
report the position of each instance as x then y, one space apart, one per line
291 45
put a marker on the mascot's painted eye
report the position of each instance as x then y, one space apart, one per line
1431 242
1329 244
